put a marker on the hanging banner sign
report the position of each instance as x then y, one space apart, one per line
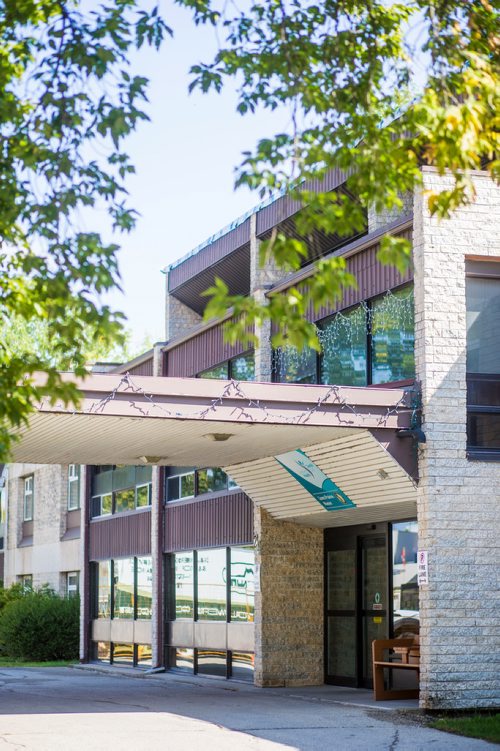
314 480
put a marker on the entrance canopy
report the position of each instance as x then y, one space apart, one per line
348 434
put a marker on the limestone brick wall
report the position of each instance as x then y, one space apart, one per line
377 220
179 319
458 499
48 556
289 607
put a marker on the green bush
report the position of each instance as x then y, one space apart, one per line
14 592
40 626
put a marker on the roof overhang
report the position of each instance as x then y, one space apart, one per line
241 426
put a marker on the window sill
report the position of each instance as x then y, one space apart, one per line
483 455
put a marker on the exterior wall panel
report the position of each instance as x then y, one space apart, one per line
227 520
144 369
125 535
201 352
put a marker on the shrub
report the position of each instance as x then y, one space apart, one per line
40 626
14 592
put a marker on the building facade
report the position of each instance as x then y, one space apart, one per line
216 554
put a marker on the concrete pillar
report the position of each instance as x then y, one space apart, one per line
84 563
458 499
289 644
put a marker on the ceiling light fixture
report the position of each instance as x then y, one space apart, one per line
218 436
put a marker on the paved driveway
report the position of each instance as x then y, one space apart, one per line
68 709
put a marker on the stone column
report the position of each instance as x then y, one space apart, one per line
289 645
179 318
458 499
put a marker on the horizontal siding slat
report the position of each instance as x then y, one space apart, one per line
144 369
120 536
227 520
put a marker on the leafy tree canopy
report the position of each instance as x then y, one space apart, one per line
375 88
67 101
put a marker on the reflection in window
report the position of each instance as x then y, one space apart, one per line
211 480
101 505
393 337
242 368
144 587
124 500
182 659
404 578
144 655
73 487
211 662
123 577
296 366
184 585
28 498
343 341
242 584
212 566
143 495
102 651
219 371
123 654
104 589
242 666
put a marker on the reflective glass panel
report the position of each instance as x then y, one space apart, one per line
393 336
483 325
144 655
212 662
342 646
173 488
243 367
103 589
341 584
294 366
123 574
211 480
343 340
212 585
102 651
404 578
483 430
242 666
125 500
218 371
184 585
123 654
182 659
187 485
143 495
144 587
242 584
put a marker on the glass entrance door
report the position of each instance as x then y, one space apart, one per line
356 603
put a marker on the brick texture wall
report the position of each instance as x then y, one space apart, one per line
289 608
458 499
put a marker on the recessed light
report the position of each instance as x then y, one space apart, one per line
218 436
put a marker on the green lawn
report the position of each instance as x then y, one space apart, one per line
6 662
486 727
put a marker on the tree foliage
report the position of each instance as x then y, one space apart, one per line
375 88
67 101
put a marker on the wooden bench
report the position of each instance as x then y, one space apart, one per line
404 654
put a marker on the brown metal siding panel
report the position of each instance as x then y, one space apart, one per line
227 520
120 536
144 369
202 352
209 255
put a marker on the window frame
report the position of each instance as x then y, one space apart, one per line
74 479
28 514
231 484
72 590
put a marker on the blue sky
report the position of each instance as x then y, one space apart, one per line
185 159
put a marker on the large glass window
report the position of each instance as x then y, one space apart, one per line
405 579
101 505
184 585
144 587
296 366
343 340
123 588
483 363
242 584
28 498
197 482
120 488
393 336
103 589
212 588
73 487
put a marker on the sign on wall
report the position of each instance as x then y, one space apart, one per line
423 567
314 480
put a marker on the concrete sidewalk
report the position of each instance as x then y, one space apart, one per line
67 709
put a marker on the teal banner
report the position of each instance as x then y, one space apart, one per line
314 480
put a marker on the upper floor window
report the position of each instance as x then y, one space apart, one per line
120 488
241 368
73 487
189 483
371 343
483 359
28 498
